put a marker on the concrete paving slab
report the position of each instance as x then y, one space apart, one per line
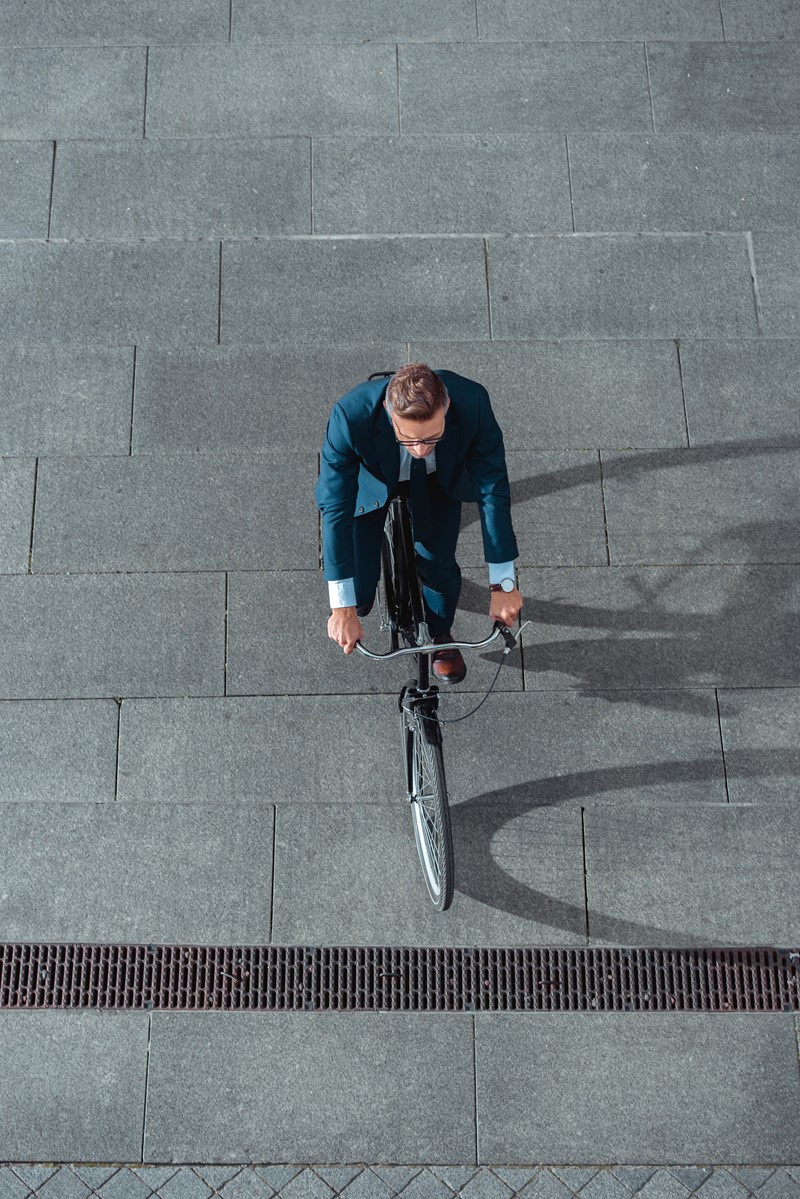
105 293
442 185
728 626
264 656
736 86
715 504
519 88
103 22
761 733
554 749
306 291
760 20
72 1083
685 181
71 92
59 750
666 1087
557 507
549 395
193 398
652 286
85 636
349 875
62 400
594 21
342 748
713 874
146 872
191 188
17 476
26 170
743 390
246 90
777 257
176 512
294 1087
354 21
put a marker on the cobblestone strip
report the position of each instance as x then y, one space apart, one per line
385 1182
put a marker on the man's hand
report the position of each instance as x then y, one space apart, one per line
505 606
345 628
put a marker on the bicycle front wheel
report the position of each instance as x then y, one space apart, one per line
430 811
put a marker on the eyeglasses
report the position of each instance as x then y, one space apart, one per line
417 440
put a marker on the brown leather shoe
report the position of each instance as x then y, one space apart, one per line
448 664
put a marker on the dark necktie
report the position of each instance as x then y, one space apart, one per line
420 498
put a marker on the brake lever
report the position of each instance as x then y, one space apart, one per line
511 639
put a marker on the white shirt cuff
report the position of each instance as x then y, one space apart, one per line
500 570
342 593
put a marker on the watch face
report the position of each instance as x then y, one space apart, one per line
507 584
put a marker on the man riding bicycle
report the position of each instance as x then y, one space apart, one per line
432 436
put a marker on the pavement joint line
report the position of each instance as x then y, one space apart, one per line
118 701
605 509
677 343
219 297
569 181
751 254
722 746
585 876
397 87
33 515
133 401
722 20
226 647
649 87
230 21
488 287
475 1087
312 214
52 185
144 104
491 235
146 1083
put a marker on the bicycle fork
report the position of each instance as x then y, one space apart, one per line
417 706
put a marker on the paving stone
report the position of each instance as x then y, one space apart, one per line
709 875
187 189
700 626
353 21
12 1187
593 20
109 872
486 1185
65 1185
673 1088
761 732
518 88
545 1186
634 1177
427 1186
742 390
777 257
16 512
185 1185
155 1176
111 635
546 749
369 1186
245 397
124 1185
162 292
605 1186
441 185
260 627
26 169
63 93
557 506
276 1176
219 1176
751 1176
291 1087
719 1185
688 181
663 1185
103 22
180 513
338 1177
323 291
307 1185
574 1178
620 286
395 1177
715 504
456 1177
34 1176
780 1186
59 400
96 1177
569 394
246 91
75 1083
760 20
705 86
350 875
58 750
692 1177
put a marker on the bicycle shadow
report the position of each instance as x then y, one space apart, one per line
477 821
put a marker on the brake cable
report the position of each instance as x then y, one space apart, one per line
437 719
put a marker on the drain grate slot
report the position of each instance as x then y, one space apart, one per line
365 978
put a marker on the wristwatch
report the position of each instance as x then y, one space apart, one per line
503 585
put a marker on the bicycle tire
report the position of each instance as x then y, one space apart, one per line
430 810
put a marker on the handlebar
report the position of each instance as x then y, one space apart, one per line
428 647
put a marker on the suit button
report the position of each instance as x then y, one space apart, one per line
360 510
376 504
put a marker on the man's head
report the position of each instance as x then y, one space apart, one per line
416 401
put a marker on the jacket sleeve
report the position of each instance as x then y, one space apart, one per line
336 493
486 466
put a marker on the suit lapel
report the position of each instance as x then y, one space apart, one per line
386 447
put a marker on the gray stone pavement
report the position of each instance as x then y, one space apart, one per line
216 216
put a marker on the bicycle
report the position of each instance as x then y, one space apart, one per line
403 616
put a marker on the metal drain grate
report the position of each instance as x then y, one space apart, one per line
295 978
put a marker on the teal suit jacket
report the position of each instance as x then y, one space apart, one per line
360 468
